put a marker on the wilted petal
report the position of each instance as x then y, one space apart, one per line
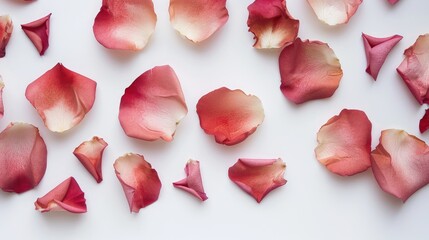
6 28
61 97
333 12
22 159
38 32
90 154
393 1
153 105
1 97
193 182
424 122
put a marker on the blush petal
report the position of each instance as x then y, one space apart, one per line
139 180
344 143
6 28
258 177
271 23
193 182
23 158
1 97
393 1
38 32
197 20
230 115
90 154
125 24
61 97
153 105
333 12
424 122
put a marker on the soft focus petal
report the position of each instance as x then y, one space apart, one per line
153 105
393 1
6 28
1 97
424 122
333 12
61 97
90 154
193 182
38 32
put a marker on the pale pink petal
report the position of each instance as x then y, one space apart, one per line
139 180
153 105
1 97
393 1
38 32
344 143
22 159
61 97
376 51
6 28
424 122
67 196
271 23
258 177
309 70
197 20
193 182
90 154
230 115
125 24
333 12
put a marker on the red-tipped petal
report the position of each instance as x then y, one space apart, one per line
193 182
139 180
153 105
258 177
67 196
1 97
22 159
197 20
271 23
333 12
6 28
125 24
61 97
393 1
38 32
309 70
344 143
90 154
230 115
424 122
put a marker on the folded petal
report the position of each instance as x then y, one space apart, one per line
424 122
38 32
61 97
6 28
125 24
90 154
197 20
271 23
193 182
22 159
258 177
230 115
393 1
153 105
1 97
309 70
139 180
333 12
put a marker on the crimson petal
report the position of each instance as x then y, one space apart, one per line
90 154
6 28
333 12
424 122
193 182
38 32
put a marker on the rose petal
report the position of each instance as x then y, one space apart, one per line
139 180
333 12
271 23
90 154
67 196
344 143
376 51
400 163
22 159
424 122
230 115
153 105
258 177
309 70
193 182
6 28
61 97
1 97
38 32
393 1
125 24
197 20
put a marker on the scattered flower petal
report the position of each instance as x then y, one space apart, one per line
38 32
333 12
424 122
193 182
393 1
1 97
6 28
90 154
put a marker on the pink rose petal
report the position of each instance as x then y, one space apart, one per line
271 23
90 154
6 28
22 159
344 143
61 97
139 180
333 12
424 122
258 177
38 32
125 24
67 196
153 105
230 115
309 70
197 20
393 1
1 97
193 182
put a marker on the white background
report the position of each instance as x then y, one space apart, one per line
314 204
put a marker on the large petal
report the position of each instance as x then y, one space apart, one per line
153 105
38 32
90 154
193 182
333 12
1 97
6 28
61 97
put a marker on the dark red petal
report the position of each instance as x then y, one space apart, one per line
38 32
6 28
424 122
90 154
333 12
193 182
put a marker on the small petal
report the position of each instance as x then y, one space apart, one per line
1 97
197 20
153 105
38 32
424 122
61 97
230 115
393 1
345 143
193 182
258 177
139 180
90 154
6 28
333 12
